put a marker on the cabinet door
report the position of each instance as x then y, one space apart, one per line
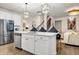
28 43
17 40
41 45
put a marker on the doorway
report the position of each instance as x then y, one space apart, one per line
58 25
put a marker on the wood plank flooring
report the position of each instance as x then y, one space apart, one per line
9 49
69 50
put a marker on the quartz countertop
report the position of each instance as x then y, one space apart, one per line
37 33
25 32
21 31
45 33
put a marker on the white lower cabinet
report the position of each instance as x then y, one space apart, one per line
28 43
41 45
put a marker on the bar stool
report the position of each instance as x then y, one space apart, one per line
59 44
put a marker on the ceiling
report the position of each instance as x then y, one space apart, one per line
56 9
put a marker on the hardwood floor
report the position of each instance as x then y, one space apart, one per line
9 49
69 50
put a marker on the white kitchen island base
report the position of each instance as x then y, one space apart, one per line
45 45
39 43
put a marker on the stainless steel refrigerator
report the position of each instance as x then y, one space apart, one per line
6 31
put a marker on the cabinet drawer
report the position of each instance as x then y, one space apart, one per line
41 38
27 36
28 43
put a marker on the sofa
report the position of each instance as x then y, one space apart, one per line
71 37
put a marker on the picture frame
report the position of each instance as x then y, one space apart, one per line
72 23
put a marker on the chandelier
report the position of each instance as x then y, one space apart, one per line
26 12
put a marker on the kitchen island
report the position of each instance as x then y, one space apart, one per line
39 43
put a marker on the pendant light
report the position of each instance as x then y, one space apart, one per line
26 12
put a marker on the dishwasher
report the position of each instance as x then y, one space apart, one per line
17 40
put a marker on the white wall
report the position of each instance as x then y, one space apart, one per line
77 23
9 15
33 20
37 20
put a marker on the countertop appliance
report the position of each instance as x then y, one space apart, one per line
6 31
16 28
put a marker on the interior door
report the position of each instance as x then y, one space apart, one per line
58 25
